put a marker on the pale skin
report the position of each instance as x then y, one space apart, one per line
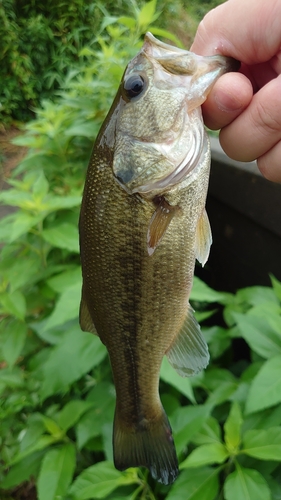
246 106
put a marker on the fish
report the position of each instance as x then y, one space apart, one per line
142 225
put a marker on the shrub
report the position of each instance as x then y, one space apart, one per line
40 44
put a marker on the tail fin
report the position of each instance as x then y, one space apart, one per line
148 444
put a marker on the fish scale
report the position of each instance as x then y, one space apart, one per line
139 243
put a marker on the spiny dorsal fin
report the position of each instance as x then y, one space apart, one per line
159 223
203 239
86 322
189 353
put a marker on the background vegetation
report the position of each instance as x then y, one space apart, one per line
56 390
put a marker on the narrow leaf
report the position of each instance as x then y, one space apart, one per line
232 428
56 472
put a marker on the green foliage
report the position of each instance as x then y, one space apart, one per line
56 392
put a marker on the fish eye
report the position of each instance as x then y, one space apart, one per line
133 86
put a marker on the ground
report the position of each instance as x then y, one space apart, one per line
10 154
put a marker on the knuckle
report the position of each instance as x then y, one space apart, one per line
267 117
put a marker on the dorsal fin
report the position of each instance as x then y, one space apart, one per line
189 353
159 223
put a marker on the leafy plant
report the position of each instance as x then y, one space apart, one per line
56 392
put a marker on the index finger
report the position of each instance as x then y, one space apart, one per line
248 31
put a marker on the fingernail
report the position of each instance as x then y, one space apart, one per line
227 102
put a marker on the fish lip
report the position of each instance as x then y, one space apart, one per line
161 51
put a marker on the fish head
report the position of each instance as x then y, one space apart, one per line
158 129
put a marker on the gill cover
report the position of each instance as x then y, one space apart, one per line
159 136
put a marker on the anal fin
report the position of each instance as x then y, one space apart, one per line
203 239
85 320
189 352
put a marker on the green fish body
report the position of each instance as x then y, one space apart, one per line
142 225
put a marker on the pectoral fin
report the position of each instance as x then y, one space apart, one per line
86 322
159 223
203 239
189 353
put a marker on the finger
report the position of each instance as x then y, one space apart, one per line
231 94
257 129
270 164
248 31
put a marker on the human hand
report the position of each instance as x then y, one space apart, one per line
246 105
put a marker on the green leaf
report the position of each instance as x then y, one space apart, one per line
51 426
99 480
209 433
265 390
186 421
74 356
215 453
72 412
67 307
203 293
14 339
56 472
259 334
166 34
222 393
14 304
147 14
102 398
202 484
53 203
42 443
61 282
246 484
232 429
256 295
23 470
170 376
22 224
276 287
263 444
41 186
63 236
218 340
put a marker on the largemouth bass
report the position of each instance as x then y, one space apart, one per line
142 225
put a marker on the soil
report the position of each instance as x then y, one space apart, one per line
10 154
